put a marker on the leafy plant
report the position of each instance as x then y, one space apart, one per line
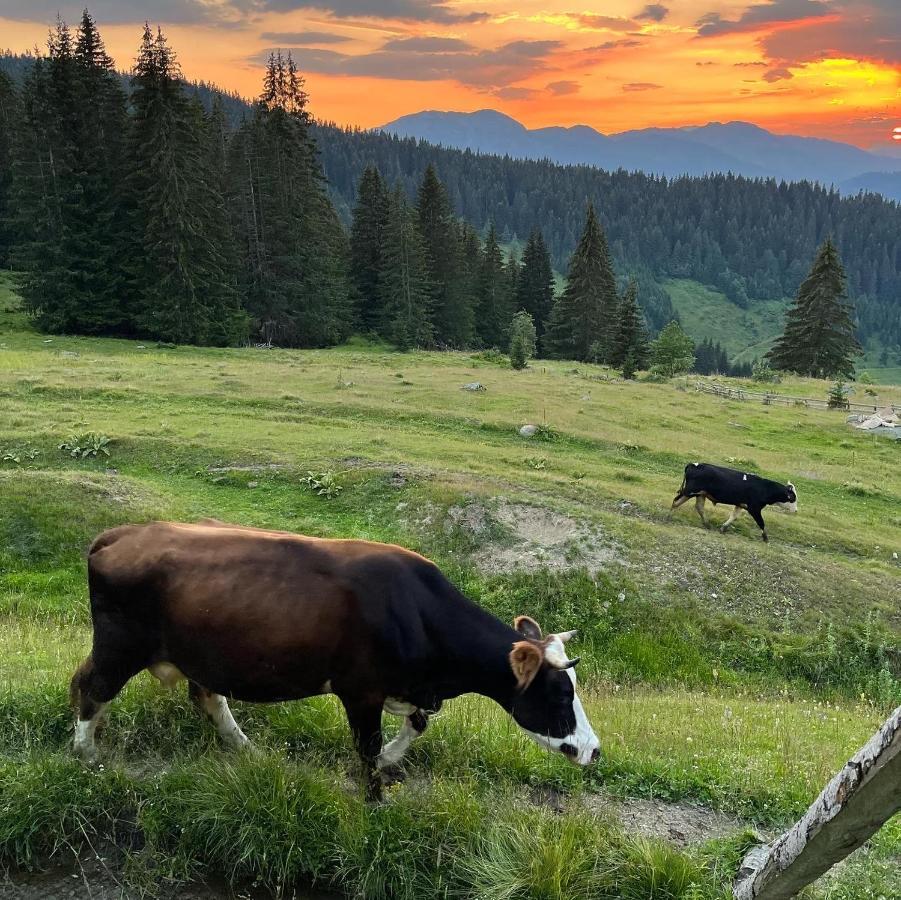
537 462
17 454
547 433
323 484
81 446
764 373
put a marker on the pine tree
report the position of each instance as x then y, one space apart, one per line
9 124
493 290
469 271
819 338
630 340
186 293
43 183
582 320
67 179
403 279
294 251
367 237
535 289
98 236
451 310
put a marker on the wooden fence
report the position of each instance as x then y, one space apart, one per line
771 399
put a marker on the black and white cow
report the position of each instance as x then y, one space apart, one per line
742 490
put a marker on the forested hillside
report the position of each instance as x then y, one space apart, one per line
750 238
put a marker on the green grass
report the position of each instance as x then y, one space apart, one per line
746 334
715 668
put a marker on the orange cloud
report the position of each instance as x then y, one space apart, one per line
823 67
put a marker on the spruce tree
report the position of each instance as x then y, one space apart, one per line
294 251
403 280
451 310
98 234
535 288
44 182
630 340
582 320
493 295
469 271
819 338
186 293
9 125
367 237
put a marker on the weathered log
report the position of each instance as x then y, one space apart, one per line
854 805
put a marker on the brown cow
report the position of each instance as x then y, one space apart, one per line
266 616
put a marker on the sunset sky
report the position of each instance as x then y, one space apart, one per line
829 68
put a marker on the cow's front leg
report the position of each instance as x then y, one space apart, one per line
365 719
414 725
758 518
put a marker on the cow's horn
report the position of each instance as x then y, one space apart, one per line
567 635
571 663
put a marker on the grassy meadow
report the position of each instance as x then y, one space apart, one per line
716 669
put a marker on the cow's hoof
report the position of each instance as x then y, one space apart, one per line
88 756
393 775
724 529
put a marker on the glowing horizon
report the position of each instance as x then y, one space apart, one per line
633 65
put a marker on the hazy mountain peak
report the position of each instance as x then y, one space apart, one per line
742 148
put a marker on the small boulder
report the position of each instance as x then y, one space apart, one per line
473 386
528 430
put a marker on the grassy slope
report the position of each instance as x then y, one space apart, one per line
747 334
706 313
726 616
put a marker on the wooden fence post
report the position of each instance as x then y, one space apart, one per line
853 806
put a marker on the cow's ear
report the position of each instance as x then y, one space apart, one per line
525 661
527 627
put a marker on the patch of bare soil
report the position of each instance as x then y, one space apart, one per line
537 538
681 824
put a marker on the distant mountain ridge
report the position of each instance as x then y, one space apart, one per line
737 147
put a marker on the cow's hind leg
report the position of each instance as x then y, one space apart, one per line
699 506
216 707
732 517
94 685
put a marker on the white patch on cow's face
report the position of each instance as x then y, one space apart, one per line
792 506
583 742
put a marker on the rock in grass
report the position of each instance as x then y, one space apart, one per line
528 430
473 386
